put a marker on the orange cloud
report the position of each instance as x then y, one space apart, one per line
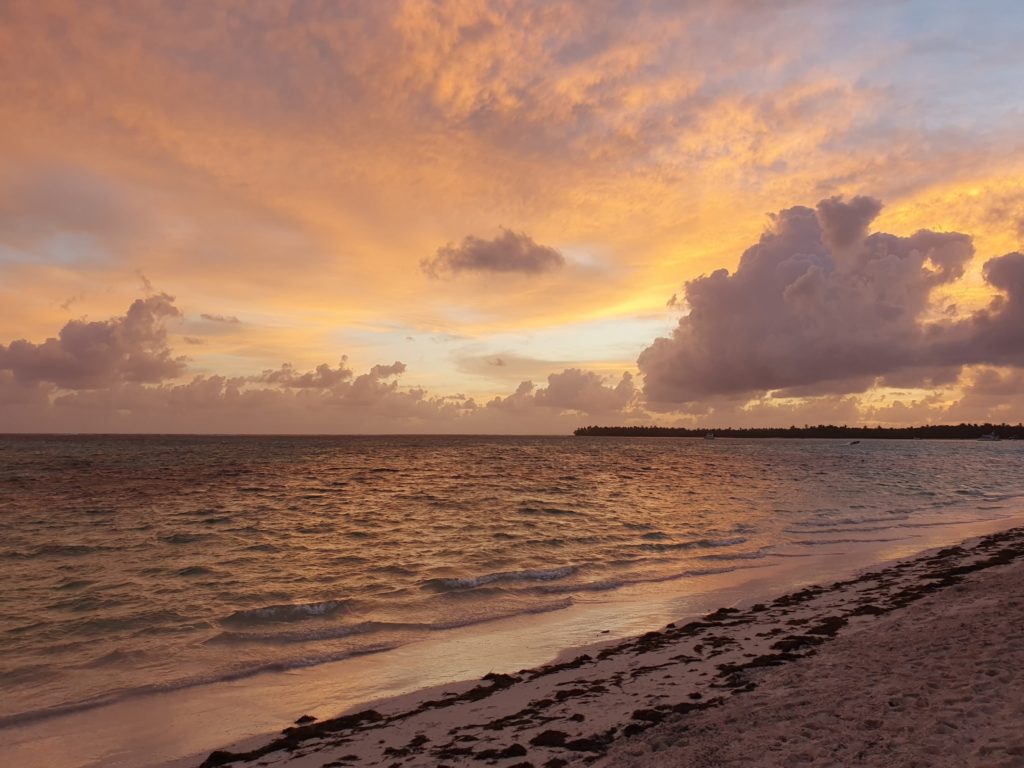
292 165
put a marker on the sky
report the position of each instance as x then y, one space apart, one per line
509 217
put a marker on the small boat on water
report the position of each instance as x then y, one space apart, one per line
990 437
854 442
709 436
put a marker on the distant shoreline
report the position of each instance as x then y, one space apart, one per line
928 432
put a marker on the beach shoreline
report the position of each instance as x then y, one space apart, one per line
181 728
595 701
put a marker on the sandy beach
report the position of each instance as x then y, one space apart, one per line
918 663
515 383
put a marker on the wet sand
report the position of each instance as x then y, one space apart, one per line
919 663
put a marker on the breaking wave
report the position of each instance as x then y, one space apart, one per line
287 612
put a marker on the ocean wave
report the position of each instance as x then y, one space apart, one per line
263 547
694 544
34 715
611 584
75 584
552 511
281 665
101 625
843 529
116 657
195 570
821 542
308 635
184 538
286 612
548 574
593 586
68 550
832 522
758 554
318 634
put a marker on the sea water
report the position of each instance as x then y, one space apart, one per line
139 564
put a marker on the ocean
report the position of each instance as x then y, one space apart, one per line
140 564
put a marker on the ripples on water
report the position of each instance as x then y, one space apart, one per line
132 563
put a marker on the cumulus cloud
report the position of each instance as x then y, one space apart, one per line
385 371
115 375
317 401
509 252
846 223
987 393
325 399
572 390
21 395
820 304
322 377
996 334
90 355
586 391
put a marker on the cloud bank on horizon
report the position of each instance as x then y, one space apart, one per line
819 311
501 196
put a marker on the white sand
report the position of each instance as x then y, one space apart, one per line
926 670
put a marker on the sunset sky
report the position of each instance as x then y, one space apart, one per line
477 216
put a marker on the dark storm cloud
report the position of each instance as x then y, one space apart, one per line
509 252
90 355
818 300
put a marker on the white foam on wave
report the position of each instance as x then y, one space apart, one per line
288 612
